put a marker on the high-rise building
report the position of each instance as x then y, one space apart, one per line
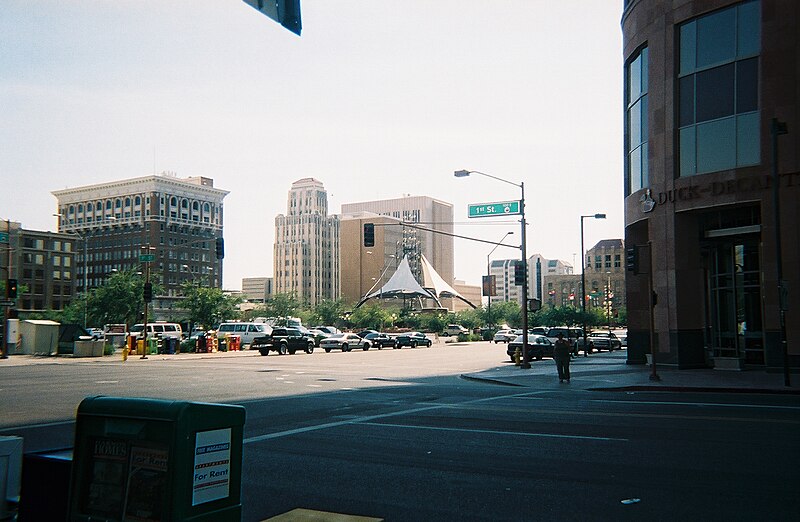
538 268
711 182
176 220
428 213
257 289
307 245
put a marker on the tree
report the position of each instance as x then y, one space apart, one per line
282 305
119 300
208 306
328 312
370 315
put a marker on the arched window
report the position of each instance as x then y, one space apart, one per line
173 201
137 201
89 207
127 202
108 205
118 203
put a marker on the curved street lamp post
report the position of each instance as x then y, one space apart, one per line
524 254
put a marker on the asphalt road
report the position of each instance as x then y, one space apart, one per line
396 434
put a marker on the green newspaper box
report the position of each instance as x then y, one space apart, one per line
152 459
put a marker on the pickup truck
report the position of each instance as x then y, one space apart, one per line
284 340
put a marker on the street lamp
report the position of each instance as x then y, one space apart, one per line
524 254
489 271
583 282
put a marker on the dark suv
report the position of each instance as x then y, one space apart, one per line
284 340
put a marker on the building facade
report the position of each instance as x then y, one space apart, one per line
539 268
711 182
370 267
605 275
307 245
257 289
177 220
428 213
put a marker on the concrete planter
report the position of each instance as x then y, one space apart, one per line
88 349
728 363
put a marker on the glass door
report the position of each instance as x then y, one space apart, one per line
735 301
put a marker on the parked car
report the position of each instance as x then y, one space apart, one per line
96 333
412 339
344 342
538 346
379 339
504 336
364 333
454 329
622 335
284 340
247 332
332 330
603 340
318 335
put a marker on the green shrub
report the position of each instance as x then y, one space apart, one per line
108 349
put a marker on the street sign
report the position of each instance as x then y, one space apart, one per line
3 237
501 208
147 258
7 303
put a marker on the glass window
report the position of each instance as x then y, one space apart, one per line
714 93
718 90
636 166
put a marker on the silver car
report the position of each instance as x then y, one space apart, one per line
504 336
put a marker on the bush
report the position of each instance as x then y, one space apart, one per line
187 346
108 349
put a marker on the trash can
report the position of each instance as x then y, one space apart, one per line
152 345
152 459
201 344
234 343
170 345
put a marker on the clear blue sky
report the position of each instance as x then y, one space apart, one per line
376 99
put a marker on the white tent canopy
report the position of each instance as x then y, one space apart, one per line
438 286
401 284
404 284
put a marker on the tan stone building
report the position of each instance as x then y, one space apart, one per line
306 261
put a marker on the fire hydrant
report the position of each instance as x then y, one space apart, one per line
125 354
517 357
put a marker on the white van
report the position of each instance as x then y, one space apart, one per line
158 330
247 331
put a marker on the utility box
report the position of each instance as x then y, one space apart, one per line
151 459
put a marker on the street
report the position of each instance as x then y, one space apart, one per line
396 434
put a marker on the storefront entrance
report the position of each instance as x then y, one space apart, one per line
733 275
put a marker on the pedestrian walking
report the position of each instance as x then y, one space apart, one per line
561 353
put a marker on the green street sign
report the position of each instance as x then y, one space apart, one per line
502 208
3 237
147 258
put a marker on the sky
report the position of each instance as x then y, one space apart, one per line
377 99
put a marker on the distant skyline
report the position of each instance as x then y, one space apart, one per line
375 100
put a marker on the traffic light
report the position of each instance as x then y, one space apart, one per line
632 259
519 273
148 292
369 234
219 248
11 289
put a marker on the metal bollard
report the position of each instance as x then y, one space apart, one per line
517 357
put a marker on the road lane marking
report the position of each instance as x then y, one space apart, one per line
711 404
493 432
327 425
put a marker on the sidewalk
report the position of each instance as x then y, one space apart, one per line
609 371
